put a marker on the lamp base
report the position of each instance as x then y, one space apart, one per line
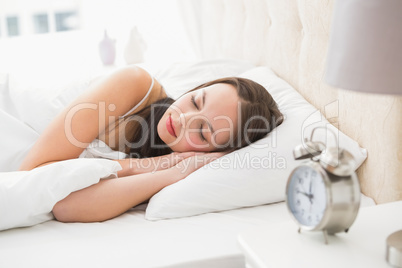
394 249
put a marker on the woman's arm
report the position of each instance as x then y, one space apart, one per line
86 117
135 166
112 197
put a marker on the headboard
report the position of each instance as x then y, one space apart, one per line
291 37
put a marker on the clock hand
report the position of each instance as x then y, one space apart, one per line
310 196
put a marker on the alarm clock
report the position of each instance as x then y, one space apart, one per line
323 193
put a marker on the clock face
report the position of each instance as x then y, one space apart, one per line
306 196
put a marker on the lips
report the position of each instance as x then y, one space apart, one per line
170 127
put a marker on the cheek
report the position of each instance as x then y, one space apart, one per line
192 142
188 143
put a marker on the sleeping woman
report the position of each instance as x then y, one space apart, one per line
165 140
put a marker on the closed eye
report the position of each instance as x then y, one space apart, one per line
201 134
202 137
194 103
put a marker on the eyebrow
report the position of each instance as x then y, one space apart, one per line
203 103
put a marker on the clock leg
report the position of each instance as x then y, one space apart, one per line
325 236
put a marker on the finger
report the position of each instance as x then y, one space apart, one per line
178 157
201 160
187 154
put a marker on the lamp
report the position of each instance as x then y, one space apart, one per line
365 54
365 48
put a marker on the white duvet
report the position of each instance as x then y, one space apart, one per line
27 197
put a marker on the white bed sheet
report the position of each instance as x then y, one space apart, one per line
208 240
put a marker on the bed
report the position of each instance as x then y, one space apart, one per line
283 40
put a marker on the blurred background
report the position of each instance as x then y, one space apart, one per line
50 40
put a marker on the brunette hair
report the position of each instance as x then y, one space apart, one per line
146 140
259 115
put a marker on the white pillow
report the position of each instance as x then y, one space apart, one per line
28 197
251 176
178 78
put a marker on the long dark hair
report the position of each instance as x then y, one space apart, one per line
255 102
145 141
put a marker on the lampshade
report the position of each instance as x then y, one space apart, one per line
365 49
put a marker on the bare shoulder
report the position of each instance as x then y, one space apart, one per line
123 87
131 74
141 74
142 96
149 94
86 117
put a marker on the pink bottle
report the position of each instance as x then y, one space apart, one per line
107 50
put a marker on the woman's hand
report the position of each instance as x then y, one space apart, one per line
153 164
187 166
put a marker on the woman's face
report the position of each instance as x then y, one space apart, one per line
201 120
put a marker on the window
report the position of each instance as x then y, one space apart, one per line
66 21
13 28
41 23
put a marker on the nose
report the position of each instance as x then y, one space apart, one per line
182 119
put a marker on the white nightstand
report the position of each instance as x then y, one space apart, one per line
363 246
